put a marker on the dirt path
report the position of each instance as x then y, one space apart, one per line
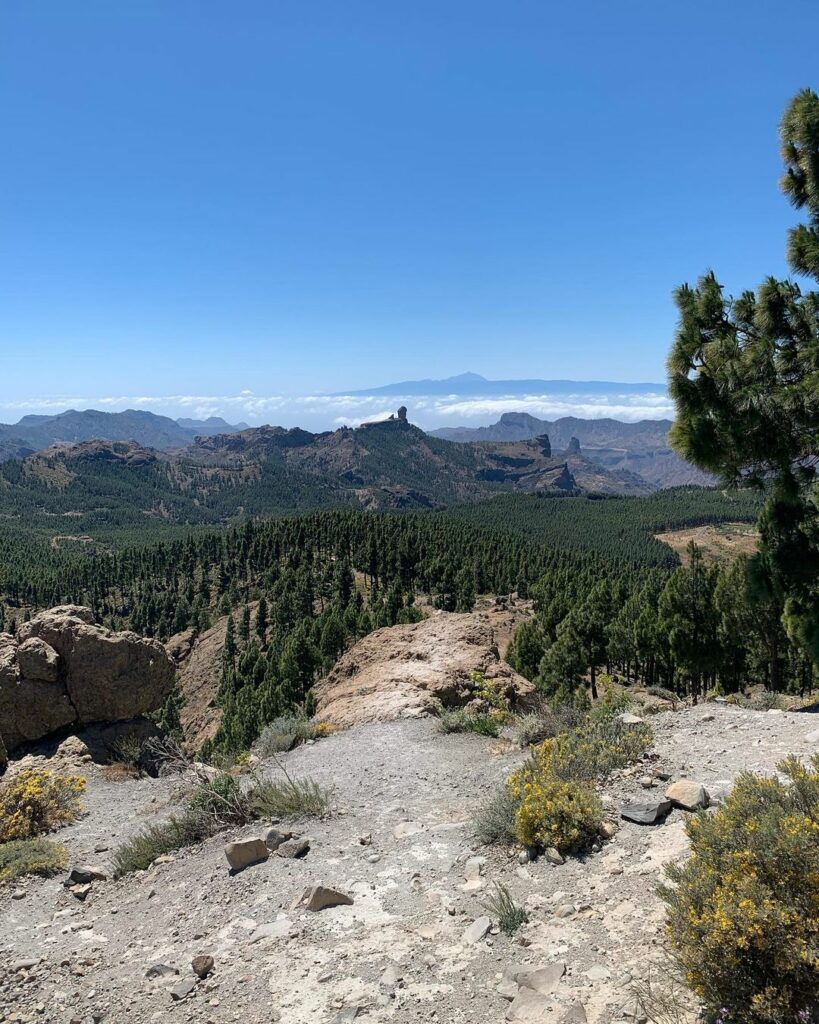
413 791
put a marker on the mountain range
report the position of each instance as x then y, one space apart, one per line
77 491
640 448
471 384
33 433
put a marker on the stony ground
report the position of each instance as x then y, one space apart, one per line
401 952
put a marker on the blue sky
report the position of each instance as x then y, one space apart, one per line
202 199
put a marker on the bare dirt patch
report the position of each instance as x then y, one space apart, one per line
719 543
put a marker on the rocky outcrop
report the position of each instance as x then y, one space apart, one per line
63 671
415 670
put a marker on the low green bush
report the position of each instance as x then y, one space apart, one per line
217 803
495 819
31 857
290 798
284 733
460 720
743 910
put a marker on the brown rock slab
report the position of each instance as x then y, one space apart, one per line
244 852
319 897
690 796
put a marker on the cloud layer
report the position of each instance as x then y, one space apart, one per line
319 412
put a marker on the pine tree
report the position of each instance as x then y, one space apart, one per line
744 375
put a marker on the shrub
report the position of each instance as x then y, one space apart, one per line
547 721
556 802
461 720
663 693
31 857
743 911
292 798
565 815
223 801
127 750
139 852
36 801
510 915
495 819
284 733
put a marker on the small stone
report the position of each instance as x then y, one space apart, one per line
182 989
598 973
366 839
477 930
553 856
647 782
530 1007
473 869
84 874
812 737
320 898
18 894
161 971
691 796
202 965
608 829
80 891
573 1015
244 852
628 719
294 848
273 838
646 813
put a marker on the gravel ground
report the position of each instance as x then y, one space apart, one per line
399 953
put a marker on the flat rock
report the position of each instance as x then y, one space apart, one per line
244 852
293 848
628 719
573 1015
476 931
530 1006
812 737
183 989
646 812
318 897
691 796
541 979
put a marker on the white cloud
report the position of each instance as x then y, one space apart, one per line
323 411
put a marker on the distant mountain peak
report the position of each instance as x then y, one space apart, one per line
464 378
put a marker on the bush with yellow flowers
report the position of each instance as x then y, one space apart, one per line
564 815
35 802
553 794
743 910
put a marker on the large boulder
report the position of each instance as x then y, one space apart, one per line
64 671
409 671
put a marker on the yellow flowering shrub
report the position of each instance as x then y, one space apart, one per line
565 815
553 793
743 911
323 729
35 802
